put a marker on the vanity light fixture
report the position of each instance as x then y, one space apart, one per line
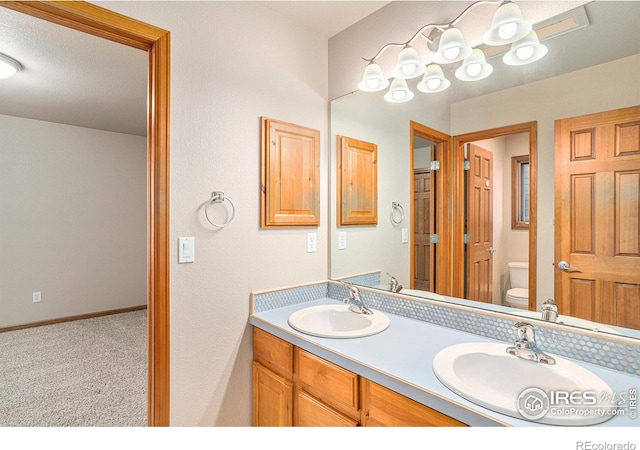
399 91
8 66
474 67
447 46
433 80
525 51
373 79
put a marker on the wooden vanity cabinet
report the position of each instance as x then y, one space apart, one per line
272 380
384 407
292 387
326 394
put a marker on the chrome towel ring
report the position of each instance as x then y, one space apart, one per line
397 210
219 197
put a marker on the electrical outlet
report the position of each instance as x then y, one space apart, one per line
311 242
37 297
342 240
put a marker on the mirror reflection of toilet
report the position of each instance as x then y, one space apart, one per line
518 295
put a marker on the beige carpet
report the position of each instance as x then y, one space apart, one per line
85 373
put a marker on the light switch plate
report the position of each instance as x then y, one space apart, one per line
186 250
405 235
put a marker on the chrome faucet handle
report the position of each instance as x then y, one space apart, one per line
355 302
393 283
525 333
525 345
550 310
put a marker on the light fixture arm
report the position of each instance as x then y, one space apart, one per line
440 26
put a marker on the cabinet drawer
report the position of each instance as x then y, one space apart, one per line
327 382
273 352
310 412
384 407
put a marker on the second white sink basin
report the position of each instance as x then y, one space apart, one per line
336 321
560 394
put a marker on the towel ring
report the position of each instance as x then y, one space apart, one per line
219 197
397 208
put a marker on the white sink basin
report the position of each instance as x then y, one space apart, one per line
336 321
560 394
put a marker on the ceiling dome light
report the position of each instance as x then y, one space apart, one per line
373 80
507 26
433 80
525 51
474 67
409 64
452 47
398 91
8 66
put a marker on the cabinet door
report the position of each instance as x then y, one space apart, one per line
383 407
311 412
290 175
272 398
357 182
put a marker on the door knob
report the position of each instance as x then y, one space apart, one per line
491 250
566 267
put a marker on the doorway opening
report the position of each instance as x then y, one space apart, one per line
475 180
92 19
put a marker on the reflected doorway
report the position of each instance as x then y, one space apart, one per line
484 224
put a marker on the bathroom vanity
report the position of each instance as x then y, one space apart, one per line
383 379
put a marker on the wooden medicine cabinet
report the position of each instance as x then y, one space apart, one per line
357 182
290 175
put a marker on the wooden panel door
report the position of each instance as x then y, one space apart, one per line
423 222
357 182
290 188
597 208
480 225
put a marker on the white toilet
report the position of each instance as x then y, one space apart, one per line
518 295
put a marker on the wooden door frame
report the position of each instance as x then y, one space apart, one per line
100 22
443 272
458 208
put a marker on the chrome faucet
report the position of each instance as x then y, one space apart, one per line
525 345
550 311
393 284
355 302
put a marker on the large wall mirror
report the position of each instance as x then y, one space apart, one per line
515 122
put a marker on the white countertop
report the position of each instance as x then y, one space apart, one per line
400 358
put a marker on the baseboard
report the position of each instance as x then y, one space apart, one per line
72 318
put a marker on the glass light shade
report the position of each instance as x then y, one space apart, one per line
8 66
373 79
525 51
433 80
452 47
507 26
409 64
398 91
474 67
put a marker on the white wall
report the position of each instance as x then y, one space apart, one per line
601 88
231 63
72 220
379 247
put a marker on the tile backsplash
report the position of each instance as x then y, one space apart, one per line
616 353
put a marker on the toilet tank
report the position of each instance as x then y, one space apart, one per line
519 274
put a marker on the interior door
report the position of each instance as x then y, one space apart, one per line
480 225
422 228
597 209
